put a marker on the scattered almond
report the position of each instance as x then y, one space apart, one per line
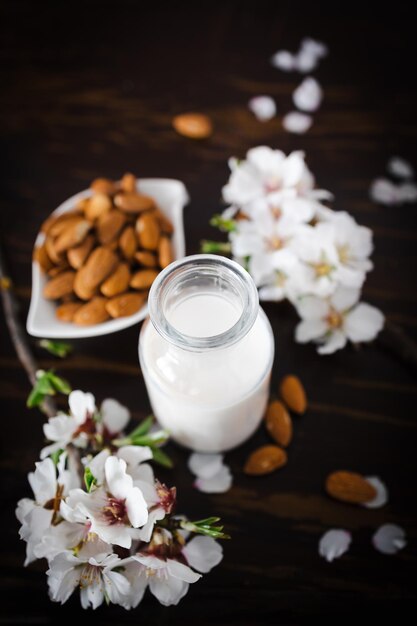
147 259
65 312
143 279
118 282
126 304
193 125
128 243
265 460
165 255
349 487
94 312
134 202
78 255
59 286
293 394
109 226
148 231
278 423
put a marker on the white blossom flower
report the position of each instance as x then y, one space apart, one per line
203 553
93 574
381 497
168 579
353 244
333 321
263 108
308 95
389 539
334 543
115 511
50 485
317 250
296 122
213 476
400 167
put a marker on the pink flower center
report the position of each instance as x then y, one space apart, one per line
115 511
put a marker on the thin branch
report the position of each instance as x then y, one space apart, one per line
18 334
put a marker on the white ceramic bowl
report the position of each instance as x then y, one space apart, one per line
171 197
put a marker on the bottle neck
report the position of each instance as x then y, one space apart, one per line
203 302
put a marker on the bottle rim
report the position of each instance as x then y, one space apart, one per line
218 268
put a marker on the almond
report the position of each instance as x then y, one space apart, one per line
349 487
99 204
278 423
193 125
77 256
293 394
72 235
104 185
58 269
54 220
109 226
126 304
134 202
165 254
148 231
128 183
118 282
65 312
71 217
143 279
94 312
59 286
164 223
52 253
100 264
265 460
147 259
40 255
128 243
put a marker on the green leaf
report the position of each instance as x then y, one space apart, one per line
55 456
210 247
35 398
143 428
57 348
162 458
151 439
223 224
206 527
60 384
89 479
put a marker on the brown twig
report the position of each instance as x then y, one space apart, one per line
17 333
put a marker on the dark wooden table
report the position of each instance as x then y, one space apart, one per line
89 89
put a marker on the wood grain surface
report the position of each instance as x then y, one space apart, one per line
90 89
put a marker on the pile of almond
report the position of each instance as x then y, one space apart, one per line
278 423
102 257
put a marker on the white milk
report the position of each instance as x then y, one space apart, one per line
209 400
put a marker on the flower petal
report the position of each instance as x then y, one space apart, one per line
263 107
384 191
168 591
81 404
116 586
315 47
400 167
307 330
137 511
203 553
389 539
308 95
43 481
298 123
205 465
334 543
336 341
181 571
134 455
311 307
381 497
363 323
219 483
284 60
344 298
118 481
115 415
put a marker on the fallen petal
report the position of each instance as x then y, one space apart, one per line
219 483
389 539
315 47
263 107
305 61
284 60
381 497
334 543
384 191
205 465
308 95
400 167
298 123
408 192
